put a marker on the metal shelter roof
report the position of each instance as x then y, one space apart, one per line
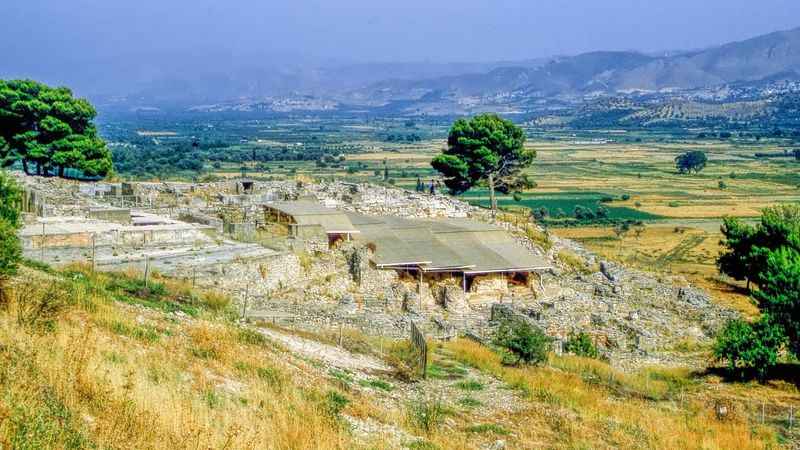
491 249
447 245
309 213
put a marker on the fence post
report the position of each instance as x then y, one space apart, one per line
94 264
791 416
244 306
146 269
763 408
42 244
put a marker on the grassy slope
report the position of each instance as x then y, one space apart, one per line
107 363
100 367
582 403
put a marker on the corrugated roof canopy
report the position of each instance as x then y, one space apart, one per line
457 245
308 213
447 245
303 208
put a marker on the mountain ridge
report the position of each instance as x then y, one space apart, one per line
751 69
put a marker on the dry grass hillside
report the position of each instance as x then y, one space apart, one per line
103 361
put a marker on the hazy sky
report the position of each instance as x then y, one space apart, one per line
40 36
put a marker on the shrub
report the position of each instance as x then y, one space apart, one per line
626 197
38 307
251 337
524 341
426 413
574 262
137 287
305 259
540 213
38 265
746 346
488 428
404 357
470 385
212 399
10 253
274 377
581 344
11 196
422 445
469 402
10 247
540 238
335 402
216 301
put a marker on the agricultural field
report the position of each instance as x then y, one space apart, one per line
681 234
628 176
633 181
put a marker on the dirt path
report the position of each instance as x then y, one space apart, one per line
329 354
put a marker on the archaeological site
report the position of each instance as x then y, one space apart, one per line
325 255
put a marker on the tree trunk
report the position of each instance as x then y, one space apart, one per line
492 199
25 166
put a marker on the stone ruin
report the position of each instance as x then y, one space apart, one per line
212 233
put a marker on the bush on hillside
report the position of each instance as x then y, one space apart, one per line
745 347
525 342
581 344
10 246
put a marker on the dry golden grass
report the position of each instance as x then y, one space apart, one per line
90 378
581 403
574 262
711 208
687 251
99 370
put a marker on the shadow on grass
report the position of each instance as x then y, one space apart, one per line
730 286
786 372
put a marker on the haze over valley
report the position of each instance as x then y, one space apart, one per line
411 225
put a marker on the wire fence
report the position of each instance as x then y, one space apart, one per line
362 318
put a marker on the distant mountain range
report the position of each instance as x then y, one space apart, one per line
740 81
